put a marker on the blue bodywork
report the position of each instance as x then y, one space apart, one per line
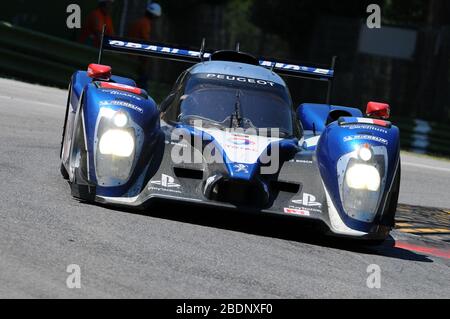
332 141
315 116
333 145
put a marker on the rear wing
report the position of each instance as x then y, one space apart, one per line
167 52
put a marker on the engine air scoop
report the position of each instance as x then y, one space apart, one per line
99 72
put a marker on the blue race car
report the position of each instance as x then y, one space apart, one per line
228 136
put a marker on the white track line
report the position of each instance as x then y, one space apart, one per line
13 99
440 169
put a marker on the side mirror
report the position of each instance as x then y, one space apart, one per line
99 72
378 110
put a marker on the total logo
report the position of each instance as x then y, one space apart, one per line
166 181
241 140
308 200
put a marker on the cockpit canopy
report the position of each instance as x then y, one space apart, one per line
231 101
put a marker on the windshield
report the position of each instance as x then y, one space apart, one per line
229 102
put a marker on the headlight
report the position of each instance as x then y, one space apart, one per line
365 153
363 177
117 143
120 119
361 191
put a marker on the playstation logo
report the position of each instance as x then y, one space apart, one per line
166 181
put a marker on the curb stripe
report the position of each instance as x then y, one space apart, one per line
426 230
436 252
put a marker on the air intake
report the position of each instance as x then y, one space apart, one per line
234 56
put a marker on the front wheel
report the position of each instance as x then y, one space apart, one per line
62 169
391 208
64 173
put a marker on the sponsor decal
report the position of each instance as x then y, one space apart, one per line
297 68
239 79
167 184
248 148
368 128
308 200
300 161
123 94
298 212
322 71
196 54
366 137
241 168
241 140
166 181
123 104
156 49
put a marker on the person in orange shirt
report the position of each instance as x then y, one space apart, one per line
92 31
141 29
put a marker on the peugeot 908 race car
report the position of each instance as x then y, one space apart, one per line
228 136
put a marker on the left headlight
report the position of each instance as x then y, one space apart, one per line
118 143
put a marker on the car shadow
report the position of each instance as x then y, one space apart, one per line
273 226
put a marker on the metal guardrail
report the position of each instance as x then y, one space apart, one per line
45 59
424 137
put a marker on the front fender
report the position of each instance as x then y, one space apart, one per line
338 147
99 107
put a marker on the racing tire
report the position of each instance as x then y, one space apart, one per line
391 209
389 219
64 173
62 169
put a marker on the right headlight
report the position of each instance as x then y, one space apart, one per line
116 148
118 143
363 177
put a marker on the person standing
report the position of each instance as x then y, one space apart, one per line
141 29
93 28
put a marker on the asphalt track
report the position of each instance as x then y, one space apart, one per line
169 253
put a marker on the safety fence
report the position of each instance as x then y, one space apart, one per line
44 59
40 58
424 137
